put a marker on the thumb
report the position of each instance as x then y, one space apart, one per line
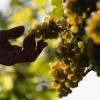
12 33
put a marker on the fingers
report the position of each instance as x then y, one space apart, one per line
40 46
27 53
12 33
29 42
30 54
30 50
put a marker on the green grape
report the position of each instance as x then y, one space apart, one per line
74 29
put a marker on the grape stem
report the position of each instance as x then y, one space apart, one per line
87 71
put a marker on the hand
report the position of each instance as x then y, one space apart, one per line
12 54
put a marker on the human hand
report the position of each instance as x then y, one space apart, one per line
12 54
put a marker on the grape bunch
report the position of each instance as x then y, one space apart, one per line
77 10
78 51
49 29
71 68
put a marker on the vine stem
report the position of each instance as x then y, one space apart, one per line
87 71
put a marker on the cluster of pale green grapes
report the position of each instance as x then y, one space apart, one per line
65 77
80 23
71 68
77 10
83 18
77 13
49 29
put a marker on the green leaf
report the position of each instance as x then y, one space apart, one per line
57 8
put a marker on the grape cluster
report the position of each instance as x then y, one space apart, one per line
49 29
70 70
77 56
77 10
64 77
72 51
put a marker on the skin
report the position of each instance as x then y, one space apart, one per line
12 54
